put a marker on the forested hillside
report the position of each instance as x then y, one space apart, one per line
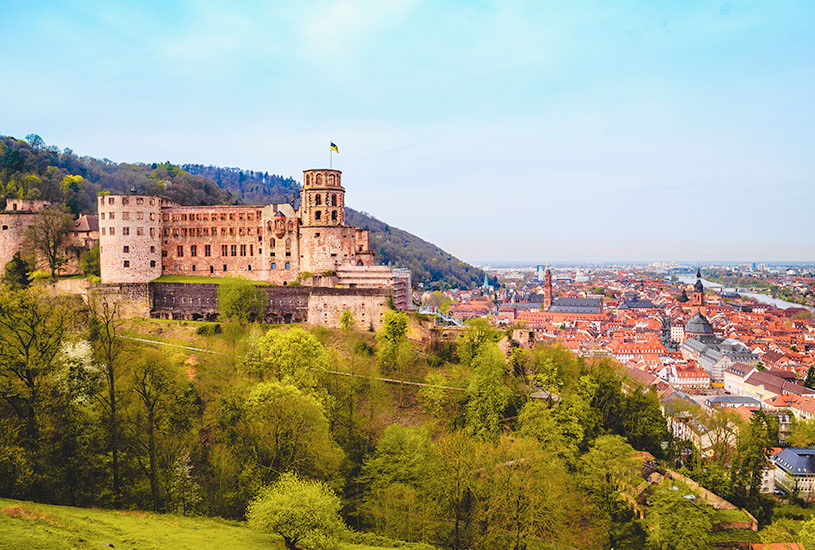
30 169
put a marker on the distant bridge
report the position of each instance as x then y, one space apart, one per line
448 319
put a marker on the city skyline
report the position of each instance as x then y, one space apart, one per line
499 132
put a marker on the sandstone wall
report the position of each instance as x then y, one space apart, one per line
12 232
130 238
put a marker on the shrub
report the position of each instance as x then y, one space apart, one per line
208 329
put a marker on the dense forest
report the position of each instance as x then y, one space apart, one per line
485 449
31 169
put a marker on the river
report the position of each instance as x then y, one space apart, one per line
757 296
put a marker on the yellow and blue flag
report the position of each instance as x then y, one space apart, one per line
334 148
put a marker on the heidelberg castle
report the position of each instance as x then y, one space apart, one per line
142 237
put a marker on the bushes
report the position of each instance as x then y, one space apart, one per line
208 329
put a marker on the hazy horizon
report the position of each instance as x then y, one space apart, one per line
513 130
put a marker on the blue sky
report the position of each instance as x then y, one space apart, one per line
497 130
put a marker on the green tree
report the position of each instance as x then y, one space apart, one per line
45 237
477 333
678 520
802 434
32 327
293 356
487 394
392 340
809 382
239 299
89 262
277 428
300 511
347 320
17 272
153 385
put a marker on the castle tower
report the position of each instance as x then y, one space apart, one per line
697 301
547 289
322 200
129 238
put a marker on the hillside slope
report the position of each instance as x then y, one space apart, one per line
42 526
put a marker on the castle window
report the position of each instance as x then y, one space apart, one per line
139 200
127 263
139 215
223 250
152 231
112 216
193 267
125 201
211 270
231 217
287 265
125 231
207 250
163 253
288 244
273 265
101 201
334 215
5 228
152 250
233 249
125 215
316 235
308 179
206 232
110 200
251 250
224 267
152 202
102 215
258 215
214 231
243 250
206 217
183 231
223 219
14 206
175 232
139 231
240 217
331 180
317 215
223 232
333 200
319 179
272 243
318 200
249 268
179 251
240 231
103 229
193 250
152 263
183 217
126 249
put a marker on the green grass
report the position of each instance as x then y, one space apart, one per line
729 516
44 527
197 279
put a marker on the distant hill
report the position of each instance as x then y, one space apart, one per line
31 169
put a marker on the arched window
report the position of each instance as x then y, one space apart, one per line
318 215
333 200
331 179
319 179
318 200
334 215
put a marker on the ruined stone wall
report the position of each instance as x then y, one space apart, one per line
368 306
135 299
129 238
326 248
12 232
286 304
213 241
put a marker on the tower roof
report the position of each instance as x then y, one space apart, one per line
698 324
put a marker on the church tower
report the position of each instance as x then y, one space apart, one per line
547 289
697 301
322 200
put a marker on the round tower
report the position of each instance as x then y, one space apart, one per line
129 238
322 200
